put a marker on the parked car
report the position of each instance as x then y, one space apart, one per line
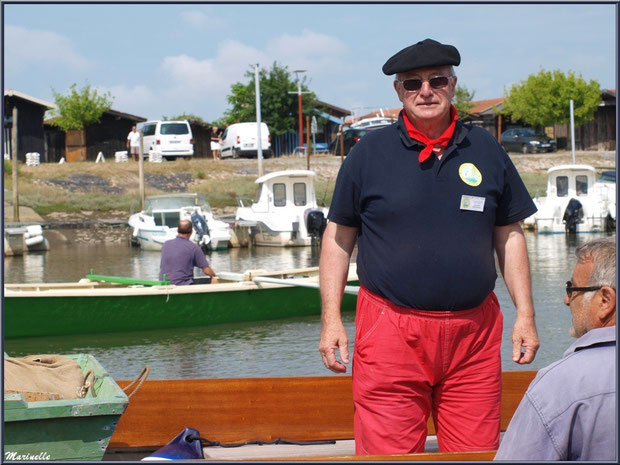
170 139
526 140
239 140
351 137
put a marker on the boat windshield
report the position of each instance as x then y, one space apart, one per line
175 203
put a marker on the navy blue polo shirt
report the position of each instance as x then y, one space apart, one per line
425 236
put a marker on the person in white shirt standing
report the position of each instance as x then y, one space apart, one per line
133 142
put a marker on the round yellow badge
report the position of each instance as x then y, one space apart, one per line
470 175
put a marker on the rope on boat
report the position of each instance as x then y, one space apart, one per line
208 443
139 379
83 390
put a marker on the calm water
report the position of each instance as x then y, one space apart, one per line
272 348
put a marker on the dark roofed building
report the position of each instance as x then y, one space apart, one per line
30 115
107 136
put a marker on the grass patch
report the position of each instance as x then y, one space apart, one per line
536 183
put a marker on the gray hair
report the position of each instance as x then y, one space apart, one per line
450 69
602 252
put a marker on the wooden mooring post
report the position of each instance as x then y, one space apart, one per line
14 174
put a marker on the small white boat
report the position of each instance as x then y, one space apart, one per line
575 202
24 239
157 223
374 122
285 212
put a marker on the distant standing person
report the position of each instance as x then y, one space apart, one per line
179 256
133 142
216 146
569 410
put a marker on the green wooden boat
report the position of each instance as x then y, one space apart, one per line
103 304
64 429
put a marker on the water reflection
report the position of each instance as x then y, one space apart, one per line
270 348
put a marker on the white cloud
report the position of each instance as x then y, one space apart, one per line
196 84
127 99
200 20
309 50
25 48
214 75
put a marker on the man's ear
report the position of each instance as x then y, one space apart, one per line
607 304
396 88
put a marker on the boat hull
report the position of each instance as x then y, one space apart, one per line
89 311
64 429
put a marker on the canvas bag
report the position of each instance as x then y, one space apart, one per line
44 377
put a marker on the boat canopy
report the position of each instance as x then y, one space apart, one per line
554 169
287 174
175 202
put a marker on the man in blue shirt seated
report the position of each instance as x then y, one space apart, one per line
569 410
179 256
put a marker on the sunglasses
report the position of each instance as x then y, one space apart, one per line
570 288
413 85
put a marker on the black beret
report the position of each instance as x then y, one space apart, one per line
424 54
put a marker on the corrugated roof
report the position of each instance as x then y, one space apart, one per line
483 106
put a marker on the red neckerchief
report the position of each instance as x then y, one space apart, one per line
431 143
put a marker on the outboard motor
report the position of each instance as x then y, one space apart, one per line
573 215
202 232
315 224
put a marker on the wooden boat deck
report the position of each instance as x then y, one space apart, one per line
250 409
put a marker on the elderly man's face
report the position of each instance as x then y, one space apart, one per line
426 105
582 309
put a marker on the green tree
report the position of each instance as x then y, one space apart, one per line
183 116
78 109
279 109
463 101
543 99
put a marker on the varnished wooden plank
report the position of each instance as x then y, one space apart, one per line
237 410
248 409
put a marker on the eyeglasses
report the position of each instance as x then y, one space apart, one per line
413 85
570 288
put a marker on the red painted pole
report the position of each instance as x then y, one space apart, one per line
301 124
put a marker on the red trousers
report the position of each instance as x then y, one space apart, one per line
409 362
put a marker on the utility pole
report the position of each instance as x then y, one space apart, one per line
572 130
14 174
308 142
259 140
299 105
140 171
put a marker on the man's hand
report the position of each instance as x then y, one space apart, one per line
334 336
524 336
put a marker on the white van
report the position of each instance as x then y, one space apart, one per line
239 140
170 139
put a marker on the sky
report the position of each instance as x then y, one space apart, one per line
162 60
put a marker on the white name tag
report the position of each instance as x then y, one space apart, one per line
473 203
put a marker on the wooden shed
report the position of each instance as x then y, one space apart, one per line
30 116
107 136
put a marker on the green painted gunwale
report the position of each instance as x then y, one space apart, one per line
108 310
65 429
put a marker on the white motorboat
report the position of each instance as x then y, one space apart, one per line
285 211
158 222
575 202
374 122
18 240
